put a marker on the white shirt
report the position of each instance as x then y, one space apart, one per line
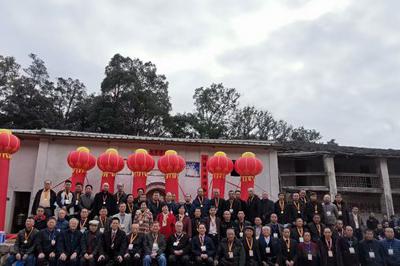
355 218
125 221
213 226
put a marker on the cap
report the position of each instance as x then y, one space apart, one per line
94 222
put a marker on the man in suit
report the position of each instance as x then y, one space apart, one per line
218 202
347 249
155 246
226 223
343 210
233 205
253 205
230 251
120 195
46 241
213 225
155 204
243 204
124 218
24 247
266 208
90 244
201 201
316 228
178 246
105 199
203 247
276 228
287 254
66 198
240 224
296 208
69 245
298 230
269 247
134 252
251 248
113 246
45 198
313 207
356 222
282 209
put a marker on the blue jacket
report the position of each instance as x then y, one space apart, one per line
204 206
391 244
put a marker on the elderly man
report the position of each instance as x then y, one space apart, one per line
251 247
134 251
230 251
266 207
154 246
330 211
113 246
90 244
201 201
178 246
218 202
105 199
104 220
86 199
46 244
269 247
124 218
45 198
69 245
253 205
120 195
24 248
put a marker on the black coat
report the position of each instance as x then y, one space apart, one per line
256 258
93 241
266 209
297 210
25 248
69 242
224 226
367 246
253 208
315 234
148 244
110 203
285 254
272 246
285 215
196 246
345 258
183 244
326 260
35 204
155 208
137 245
239 255
233 206
313 208
240 227
112 249
44 241
219 204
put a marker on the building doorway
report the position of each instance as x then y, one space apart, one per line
153 187
21 210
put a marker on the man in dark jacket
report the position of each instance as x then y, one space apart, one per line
40 219
45 198
343 210
69 245
230 251
90 244
266 208
113 246
316 228
203 247
155 246
155 204
287 254
46 244
178 246
296 208
313 207
104 199
218 202
269 247
233 205
213 225
24 248
226 223
371 251
134 251
391 246
201 201
240 224
282 209
251 248
66 198
253 206
347 249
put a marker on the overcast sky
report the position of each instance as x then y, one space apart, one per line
329 65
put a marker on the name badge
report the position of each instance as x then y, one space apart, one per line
83 230
301 240
58 230
298 212
76 202
203 248
267 250
112 246
309 256
155 246
275 235
328 213
25 241
101 230
240 234
53 242
230 254
251 253
201 206
371 254
231 210
281 212
390 251
176 244
187 214
340 213
122 226
351 250
130 247
67 201
330 253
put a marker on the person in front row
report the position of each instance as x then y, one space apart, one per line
24 245
90 244
269 247
203 247
154 246
347 249
308 252
287 255
391 246
178 246
371 251
113 246
230 251
46 241
328 249
251 247
69 245
134 252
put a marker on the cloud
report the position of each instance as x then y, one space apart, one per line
329 65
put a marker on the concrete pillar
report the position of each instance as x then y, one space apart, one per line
329 166
40 169
273 174
383 173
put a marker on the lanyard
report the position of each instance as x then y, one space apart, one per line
133 237
329 244
287 242
282 205
84 222
230 245
308 247
300 231
28 235
155 238
241 227
51 234
297 205
201 238
249 243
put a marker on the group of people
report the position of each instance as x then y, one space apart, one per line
82 228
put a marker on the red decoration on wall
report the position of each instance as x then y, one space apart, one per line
140 163
171 164
9 144
220 166
80 161
204 174
247 166
110 163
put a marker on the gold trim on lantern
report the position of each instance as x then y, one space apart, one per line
5 156
78 171
247 178
6 131
141 151
220 153
218 176
171 176
83 149
112 150
108 173
171 152
140 174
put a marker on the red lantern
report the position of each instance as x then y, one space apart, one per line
110 163
80 161
247 166
220 166
9 144
140 163
171 164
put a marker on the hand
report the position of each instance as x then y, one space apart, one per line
215 262
63 257
25 257
41 255
127 255
137 255
18 256
52 255
73 256
120 259
86 256
101 257
90 256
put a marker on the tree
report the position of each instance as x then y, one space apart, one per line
214 108
244 123
301 134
